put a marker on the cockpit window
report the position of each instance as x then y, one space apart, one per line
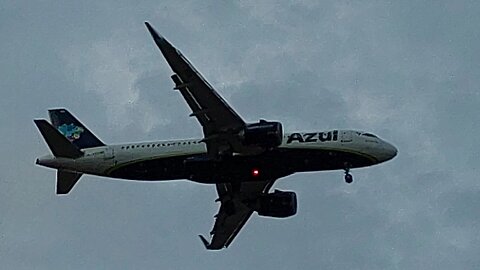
369 135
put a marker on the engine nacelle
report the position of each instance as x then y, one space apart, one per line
279 204
264 133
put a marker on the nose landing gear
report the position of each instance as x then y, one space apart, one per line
348 176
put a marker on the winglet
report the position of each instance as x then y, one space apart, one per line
204 241
150 29
171 54
156 36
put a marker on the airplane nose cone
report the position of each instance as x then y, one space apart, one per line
389 151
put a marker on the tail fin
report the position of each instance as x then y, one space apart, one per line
66 180
60 147
57 143
73 130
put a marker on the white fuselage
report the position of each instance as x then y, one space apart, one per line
102 160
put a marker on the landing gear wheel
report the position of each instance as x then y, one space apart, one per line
348 178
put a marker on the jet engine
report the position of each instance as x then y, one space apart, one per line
264 133
279 204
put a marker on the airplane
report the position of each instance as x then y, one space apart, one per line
242 159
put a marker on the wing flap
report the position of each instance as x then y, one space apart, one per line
191 101
234 211
227 226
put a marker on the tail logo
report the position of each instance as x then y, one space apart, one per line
70 131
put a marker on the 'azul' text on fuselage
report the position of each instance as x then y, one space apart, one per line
313 137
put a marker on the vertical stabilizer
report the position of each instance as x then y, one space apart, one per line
73 129
66 180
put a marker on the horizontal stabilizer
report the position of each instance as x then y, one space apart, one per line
58 144
66 180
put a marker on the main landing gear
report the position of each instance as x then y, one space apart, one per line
348 176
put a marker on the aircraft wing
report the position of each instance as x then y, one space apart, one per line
235 210
218 119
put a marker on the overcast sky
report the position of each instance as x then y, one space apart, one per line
407 71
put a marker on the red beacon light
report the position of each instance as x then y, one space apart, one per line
255 172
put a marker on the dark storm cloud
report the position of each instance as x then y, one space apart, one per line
407 71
